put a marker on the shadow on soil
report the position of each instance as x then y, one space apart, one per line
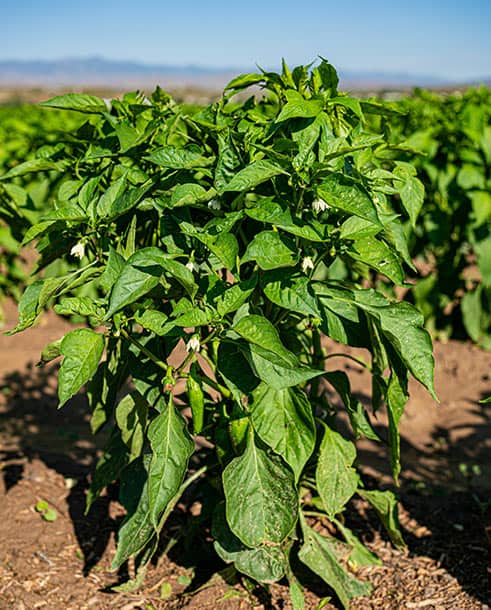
455 512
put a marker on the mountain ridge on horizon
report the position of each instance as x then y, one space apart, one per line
98 70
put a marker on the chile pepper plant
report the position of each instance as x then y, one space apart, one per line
212 239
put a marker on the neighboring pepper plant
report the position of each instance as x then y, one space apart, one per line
213 240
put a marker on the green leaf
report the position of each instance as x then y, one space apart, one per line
345 194
127 200
28 307
276 372
179 158
271 250
28 167
114 266
298 107
137 530
50 352
291 291
224 246
271 212
141 273
356 413
261 498
385 505
259 331
81 102
82 350
172 447
378 255
253 174
131 418
236 295
412 195
108 467
336 479
112 193
396 401
245 80
481 206
318 554
190 194
265 564
283 420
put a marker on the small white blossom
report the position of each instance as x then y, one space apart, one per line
192 266
307 263
376 199
78 250
319 205
214 204
193 344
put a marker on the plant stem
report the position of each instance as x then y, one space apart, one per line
144 350
350 357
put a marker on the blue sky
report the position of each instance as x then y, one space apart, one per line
445 38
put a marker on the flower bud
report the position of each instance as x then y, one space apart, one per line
78 250
193 345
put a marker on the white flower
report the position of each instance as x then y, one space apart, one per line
307 263
214 204
191 265
193 344
319 205
78 250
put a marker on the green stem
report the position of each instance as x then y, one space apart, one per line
144 350
354 358
226 393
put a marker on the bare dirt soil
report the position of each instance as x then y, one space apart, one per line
46 454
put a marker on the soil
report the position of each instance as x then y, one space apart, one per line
47 455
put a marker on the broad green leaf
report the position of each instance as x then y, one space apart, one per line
140 274
50 352
252 175
378 255
271 212
271 250
335 476
412 195
82 350
28 307
396 401
385 505
235 369
360 555
356 413
224 246
265 563
33 165
245 80
110 195
189 194
114 266
155 321
402 326
347 195
481 206
283 420
276 372
131 418
260 495
82 306
291 291
127 200
298 107
236 295
179 158
318 554
108 467
472 312
137 529
81 102
172 447
259 331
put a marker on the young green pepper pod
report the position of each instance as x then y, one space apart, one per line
196 398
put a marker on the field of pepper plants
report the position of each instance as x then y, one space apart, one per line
243 298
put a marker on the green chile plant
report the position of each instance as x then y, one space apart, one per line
449 140
212 238
30 170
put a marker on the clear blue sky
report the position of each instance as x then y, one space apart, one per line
448 38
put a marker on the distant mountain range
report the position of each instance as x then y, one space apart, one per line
99 72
